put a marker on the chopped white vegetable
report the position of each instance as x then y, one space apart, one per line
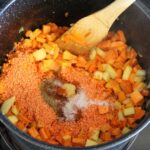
98 75
120 116
127 73
100 52
125 130
68 56
141 72
39 54
13 119
111 71
126 101
7 105
92 55
95 135
69 88
106 76
129 111
15 110
117 105
139 78
90 143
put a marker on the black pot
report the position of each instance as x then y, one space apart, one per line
135 22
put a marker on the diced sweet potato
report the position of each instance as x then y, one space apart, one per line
126 86
33 132
106 136
139 113
136 97
116 131
103 109
121 96
78 141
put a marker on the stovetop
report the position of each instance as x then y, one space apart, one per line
140 142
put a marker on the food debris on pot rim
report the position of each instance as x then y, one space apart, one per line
69 100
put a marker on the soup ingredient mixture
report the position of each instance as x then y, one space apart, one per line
72 100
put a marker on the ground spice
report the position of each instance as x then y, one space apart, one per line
22 81
94 88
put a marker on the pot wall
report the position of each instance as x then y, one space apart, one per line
30 14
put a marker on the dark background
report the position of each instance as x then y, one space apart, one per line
147 2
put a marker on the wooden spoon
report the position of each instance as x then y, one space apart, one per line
89 31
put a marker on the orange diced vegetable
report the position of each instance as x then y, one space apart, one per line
21 125
24 119
111 56
46 29
105 45
121 36
126 86
116 131
131 120
43 133
92 65
139 113
59 138
41 39
81 62
39 138
121 96
106 136
105 127
118 73
136 97
78 141
52 141
103 109
33 132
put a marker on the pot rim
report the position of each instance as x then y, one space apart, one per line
41 144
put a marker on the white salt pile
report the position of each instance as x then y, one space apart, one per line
78 102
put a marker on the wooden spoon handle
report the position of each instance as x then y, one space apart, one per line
109 14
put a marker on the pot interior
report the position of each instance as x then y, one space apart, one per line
32 14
